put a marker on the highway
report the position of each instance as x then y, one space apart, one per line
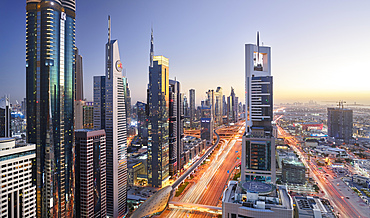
338 201
209 182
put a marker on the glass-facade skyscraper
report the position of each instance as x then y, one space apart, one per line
110 115
50 77
258 149
158 120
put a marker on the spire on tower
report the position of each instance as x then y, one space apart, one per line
151 49
108 28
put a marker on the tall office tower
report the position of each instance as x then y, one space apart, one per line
50 78
158 124
206 125
210 101
340 123
192 107
18 193
24 107
185 106
5 117
88 115
79 83
127 102
90 173
236 109
79 98
258 149
176 132
109 114
232 107
142 124
99 102
224 105
218 106
174 92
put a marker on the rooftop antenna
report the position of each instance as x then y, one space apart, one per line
151 48
108 28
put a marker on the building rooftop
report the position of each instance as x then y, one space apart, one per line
293 162
257 195
313 206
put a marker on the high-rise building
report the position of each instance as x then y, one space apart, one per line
158 120
79 84
88 115
218 106
176 131
5 117
18 193
99 102
206 122
340 123
232 107
192 107
224 105
210 101
142 123
185 105
90 173
127 102
258 149
79 97
50 79
109 114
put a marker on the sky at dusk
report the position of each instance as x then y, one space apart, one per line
320 49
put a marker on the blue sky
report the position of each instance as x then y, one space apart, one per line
319 48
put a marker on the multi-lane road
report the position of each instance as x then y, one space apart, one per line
328 186
210 181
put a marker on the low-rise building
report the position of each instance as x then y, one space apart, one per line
312 207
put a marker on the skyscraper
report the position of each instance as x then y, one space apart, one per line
109 114
176 131
340 123
158 125
90 173
218 106
142 123
79 84
258 149
206 122
50 78
192 107
18 193
5 117
88 115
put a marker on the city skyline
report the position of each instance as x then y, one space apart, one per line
218 37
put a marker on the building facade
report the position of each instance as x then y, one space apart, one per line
158 126
18 193
88 115
50 81
109 114
192 107
176 131
206 123
258 149
218 106
90 173
293 172
340 123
